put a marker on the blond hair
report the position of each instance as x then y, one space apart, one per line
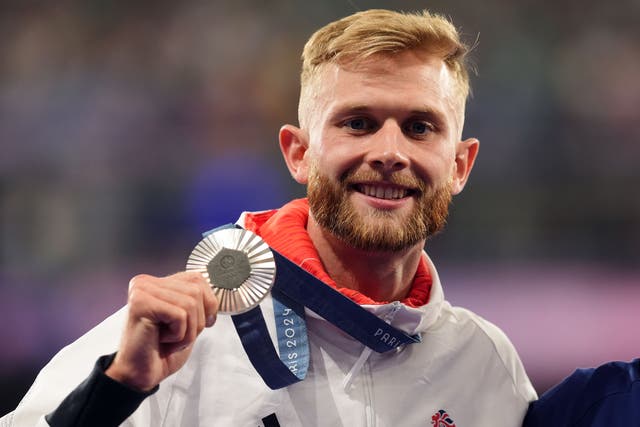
377 31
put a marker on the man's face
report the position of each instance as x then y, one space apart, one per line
382 150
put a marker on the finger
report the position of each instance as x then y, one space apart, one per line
139 280
177 326
189 290
211 305
169 320
198 285
209 300
192 310
194 285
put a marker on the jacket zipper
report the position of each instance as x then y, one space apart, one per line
367 374
370 415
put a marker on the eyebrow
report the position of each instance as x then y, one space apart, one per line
427 110
433 114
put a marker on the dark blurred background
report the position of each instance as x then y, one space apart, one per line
128 128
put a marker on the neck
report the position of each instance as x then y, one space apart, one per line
382 276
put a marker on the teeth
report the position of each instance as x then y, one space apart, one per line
383 192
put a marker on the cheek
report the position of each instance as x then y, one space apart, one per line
333 156
435 167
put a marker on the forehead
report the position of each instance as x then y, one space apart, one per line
407 80
400 85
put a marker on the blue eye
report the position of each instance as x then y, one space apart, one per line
419 127
357 124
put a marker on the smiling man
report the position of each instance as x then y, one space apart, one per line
379 150
379 146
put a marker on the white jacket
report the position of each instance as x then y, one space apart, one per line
464 367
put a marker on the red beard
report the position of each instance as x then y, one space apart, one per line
330 206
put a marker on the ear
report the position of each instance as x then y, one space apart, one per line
466 152
294 143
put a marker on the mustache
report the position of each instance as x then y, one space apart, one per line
404 180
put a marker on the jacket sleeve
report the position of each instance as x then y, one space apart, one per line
556 406
608 395
98 401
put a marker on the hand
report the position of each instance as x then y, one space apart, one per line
165 317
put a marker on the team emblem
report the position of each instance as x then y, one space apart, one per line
442 419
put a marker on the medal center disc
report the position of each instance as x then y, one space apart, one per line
229 269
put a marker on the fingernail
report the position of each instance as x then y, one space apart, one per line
211 319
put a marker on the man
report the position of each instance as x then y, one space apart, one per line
380 150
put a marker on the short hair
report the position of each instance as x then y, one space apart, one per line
378 31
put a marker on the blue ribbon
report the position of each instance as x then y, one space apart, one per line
306 289
291 329
293 290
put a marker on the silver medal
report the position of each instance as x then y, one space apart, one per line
239 266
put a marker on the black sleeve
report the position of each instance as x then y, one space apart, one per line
98 401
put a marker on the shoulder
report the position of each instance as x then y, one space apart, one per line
467 320
497 347
608 395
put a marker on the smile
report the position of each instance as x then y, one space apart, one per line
383 191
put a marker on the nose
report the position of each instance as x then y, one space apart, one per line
386 150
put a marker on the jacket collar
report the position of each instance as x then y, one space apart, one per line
413 314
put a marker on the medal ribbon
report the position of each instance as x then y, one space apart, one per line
294 289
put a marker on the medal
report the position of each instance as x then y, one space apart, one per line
241 270
239 266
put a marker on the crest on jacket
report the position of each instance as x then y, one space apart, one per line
442 419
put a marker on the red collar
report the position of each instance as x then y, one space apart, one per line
285 231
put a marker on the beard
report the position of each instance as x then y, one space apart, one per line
377 230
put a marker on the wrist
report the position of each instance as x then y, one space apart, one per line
129 377
98 401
